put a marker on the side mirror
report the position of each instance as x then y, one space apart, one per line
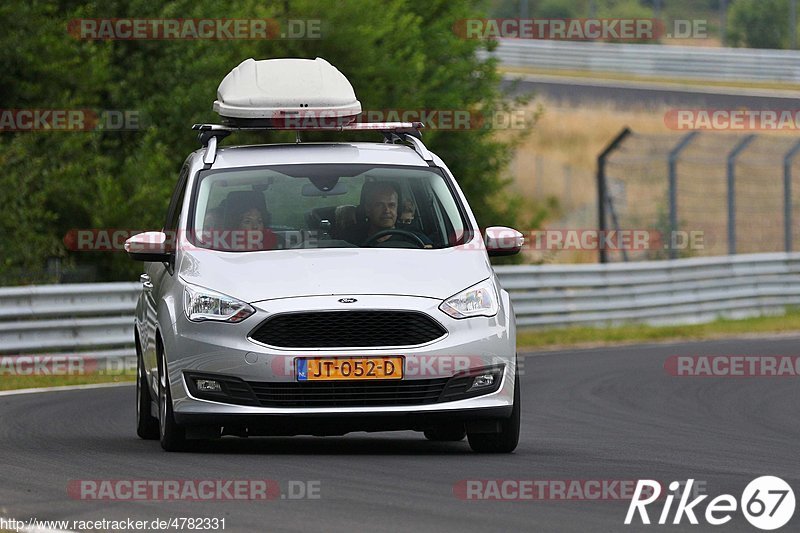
150 246
503 241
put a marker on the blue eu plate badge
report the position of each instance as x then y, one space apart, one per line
302 370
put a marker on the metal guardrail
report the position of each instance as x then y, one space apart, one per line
679 291
742 64
97 319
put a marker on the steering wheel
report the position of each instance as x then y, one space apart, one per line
394 231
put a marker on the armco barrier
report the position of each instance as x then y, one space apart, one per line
87 317
679 291
98 318
681 62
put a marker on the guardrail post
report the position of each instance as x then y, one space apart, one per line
787 196
741 145
601 185
673 187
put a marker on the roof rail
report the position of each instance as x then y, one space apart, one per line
420 148
211 134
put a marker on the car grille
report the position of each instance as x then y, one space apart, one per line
349 394
348 329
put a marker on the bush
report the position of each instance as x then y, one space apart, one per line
759 23
401 54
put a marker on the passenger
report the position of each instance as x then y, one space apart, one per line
252 219
408 213
247 217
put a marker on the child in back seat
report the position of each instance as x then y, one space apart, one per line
407 214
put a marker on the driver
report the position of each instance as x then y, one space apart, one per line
380 207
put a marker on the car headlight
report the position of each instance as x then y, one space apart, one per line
204 304
479 300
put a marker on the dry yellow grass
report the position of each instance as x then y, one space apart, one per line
563 147
559 160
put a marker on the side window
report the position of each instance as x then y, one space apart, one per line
172 224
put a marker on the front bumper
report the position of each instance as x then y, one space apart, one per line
224 349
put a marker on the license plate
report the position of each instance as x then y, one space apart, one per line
349 368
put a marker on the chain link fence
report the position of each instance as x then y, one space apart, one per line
703 193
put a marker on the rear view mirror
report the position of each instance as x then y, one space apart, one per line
310 189
151 246
502 241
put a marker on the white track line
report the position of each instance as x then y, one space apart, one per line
14 392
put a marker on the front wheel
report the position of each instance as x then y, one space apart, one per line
507 439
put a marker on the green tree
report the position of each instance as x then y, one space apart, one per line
759 23
401 54
556 9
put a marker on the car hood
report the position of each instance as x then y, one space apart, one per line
258 276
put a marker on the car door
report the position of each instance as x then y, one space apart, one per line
157 275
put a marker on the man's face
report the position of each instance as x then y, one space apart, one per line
382 209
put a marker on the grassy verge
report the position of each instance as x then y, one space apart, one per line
635 333
32 382
680 82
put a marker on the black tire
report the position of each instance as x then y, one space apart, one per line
173 436
446 433
146 423
507 439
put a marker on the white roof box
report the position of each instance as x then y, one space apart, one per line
260 91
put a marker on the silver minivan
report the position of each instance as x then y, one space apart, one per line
322 288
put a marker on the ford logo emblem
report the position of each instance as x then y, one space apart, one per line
347 300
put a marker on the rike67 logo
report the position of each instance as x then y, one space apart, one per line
767 503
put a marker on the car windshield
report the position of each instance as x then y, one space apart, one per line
325 206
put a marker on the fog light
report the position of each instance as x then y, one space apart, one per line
484 380
208 385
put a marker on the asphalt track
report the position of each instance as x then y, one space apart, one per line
624 94
610 413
